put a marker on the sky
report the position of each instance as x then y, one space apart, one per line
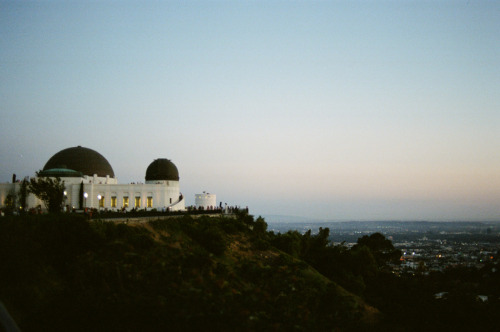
338 110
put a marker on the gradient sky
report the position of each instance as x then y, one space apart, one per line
339 110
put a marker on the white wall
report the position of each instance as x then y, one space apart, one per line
205 200
31 201
164 193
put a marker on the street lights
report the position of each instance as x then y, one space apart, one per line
85 195
99 197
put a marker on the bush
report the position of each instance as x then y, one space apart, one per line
207 233
261 244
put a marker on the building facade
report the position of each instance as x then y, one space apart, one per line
90 182
206 201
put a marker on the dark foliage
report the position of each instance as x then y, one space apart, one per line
381 248
10 203
23 195
407 301
80 196
49 190
60 272
207 232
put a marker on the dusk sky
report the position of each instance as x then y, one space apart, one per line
343 110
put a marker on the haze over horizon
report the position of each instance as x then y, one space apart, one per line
344 110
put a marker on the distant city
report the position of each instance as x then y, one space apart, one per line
425 246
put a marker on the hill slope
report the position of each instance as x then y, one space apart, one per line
64 273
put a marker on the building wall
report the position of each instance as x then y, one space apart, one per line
5 188
164 194
94 179
205 200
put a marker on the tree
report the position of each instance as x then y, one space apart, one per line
382 248
80 196
290 242
10 202
49 190
260 226
320 241
363 262
23 195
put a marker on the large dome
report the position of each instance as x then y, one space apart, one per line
161 170
80 159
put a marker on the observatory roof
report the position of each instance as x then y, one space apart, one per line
80 159
162 169
60 172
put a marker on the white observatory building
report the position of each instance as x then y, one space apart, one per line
206 201
90 182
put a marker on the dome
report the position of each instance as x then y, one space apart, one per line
80 159
60 173
161 170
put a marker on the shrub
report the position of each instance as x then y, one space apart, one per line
207 233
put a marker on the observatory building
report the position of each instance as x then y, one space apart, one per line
206 201
90 182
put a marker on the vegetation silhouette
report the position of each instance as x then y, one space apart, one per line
49 190
62 272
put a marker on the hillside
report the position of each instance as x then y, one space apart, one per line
65 273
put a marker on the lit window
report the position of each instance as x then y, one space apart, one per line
101 202
150 202
113 201
137 201
125 201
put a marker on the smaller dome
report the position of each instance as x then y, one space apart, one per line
162 170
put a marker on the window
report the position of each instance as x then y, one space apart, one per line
137 201
101 202
113 201
150 202
125 201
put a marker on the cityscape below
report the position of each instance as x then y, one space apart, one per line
425 245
